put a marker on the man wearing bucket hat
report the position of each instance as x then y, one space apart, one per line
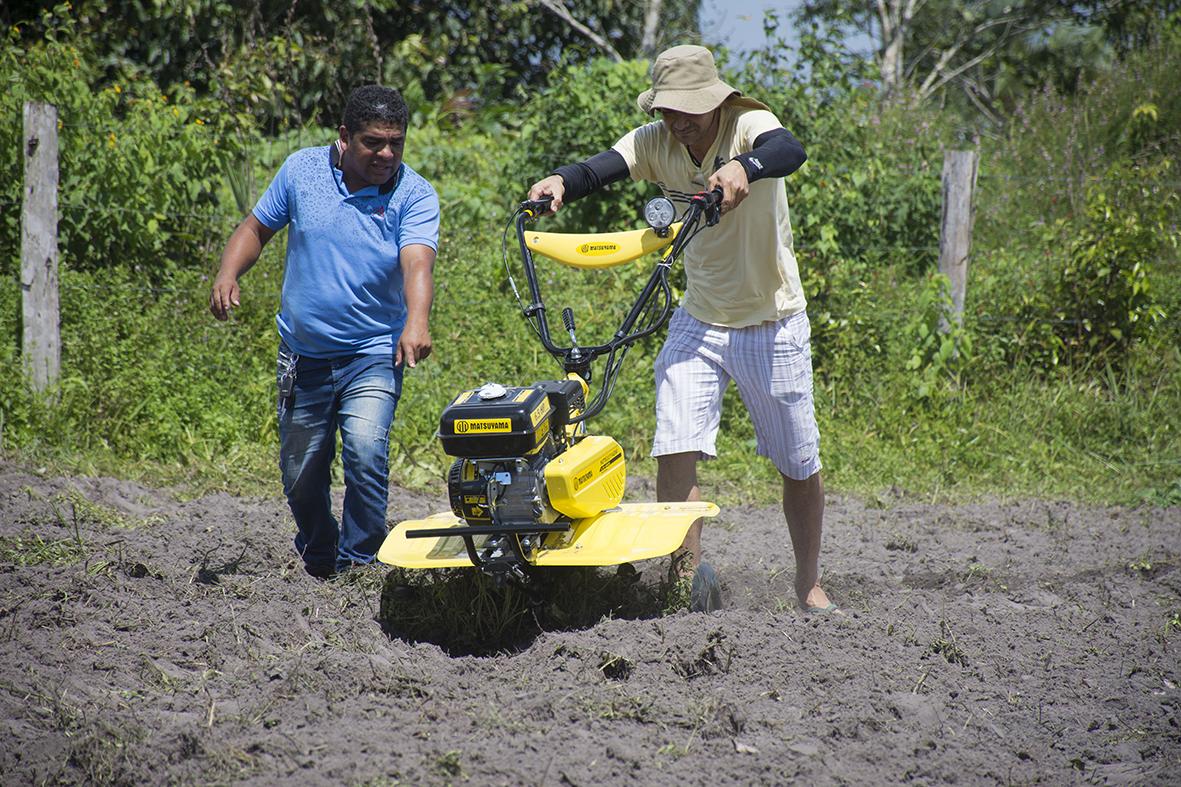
743 315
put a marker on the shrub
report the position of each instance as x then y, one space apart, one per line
140 170
585 109
148 374
1094 294
1104 295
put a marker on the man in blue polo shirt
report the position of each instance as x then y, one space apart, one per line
357 292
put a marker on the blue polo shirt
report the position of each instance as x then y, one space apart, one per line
342 287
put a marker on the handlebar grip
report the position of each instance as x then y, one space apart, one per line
711 198
711 202
538 206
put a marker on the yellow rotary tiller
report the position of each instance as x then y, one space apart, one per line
530 487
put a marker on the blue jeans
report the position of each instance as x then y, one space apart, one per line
357 394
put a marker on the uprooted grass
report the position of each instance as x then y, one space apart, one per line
465 612
30 549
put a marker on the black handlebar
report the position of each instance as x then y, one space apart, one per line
576 359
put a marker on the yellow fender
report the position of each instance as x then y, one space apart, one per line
592 251
626 533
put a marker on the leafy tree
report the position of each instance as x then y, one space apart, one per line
988 53
921 45
583 111
296 62
1130 25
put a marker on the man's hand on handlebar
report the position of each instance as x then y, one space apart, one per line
553 186
731 179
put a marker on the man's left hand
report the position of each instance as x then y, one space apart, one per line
413 346
735 186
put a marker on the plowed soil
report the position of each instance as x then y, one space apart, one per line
146 638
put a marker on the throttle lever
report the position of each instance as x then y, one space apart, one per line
568 323
713 206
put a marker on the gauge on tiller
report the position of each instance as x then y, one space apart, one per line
660 214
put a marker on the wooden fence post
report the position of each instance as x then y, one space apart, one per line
955 232
41 340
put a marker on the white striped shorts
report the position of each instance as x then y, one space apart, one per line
772 366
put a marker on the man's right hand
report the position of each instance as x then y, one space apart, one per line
225 296
553 186
241 252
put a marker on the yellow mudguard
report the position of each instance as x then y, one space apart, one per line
629 532
592 251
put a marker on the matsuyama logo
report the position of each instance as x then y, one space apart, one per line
597 249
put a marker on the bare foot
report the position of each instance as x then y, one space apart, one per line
814 598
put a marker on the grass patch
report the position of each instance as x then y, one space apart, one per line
139 380
1171 627
72 509
30 549
105 754
450 764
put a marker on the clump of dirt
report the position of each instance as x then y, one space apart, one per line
148 638
467 613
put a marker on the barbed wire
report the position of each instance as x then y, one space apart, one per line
91 208
199 297
1165 322
223 220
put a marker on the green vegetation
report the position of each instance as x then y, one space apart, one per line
141 170
31 549
286 63
1063 381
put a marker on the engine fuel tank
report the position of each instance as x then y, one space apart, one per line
586 478
496 421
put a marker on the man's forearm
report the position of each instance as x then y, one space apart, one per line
243 248
587 177
418 286
776 154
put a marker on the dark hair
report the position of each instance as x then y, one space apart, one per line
370 103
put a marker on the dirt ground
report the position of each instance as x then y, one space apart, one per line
148 639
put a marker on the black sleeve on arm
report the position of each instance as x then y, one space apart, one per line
776 154
588 176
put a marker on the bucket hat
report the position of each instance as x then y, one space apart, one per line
685 79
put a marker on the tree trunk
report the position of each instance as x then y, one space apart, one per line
892 64
651 22
559 9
